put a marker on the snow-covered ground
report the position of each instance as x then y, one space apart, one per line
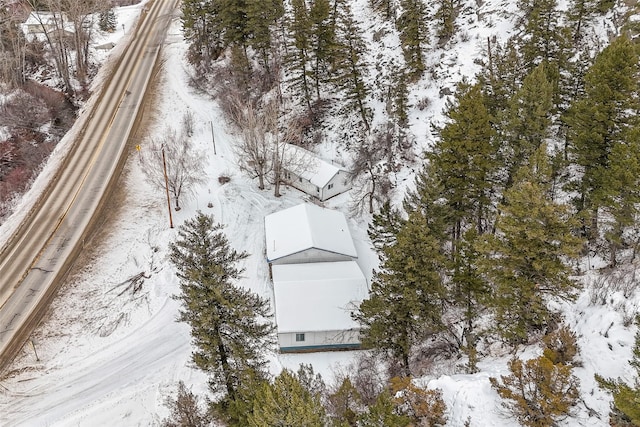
109 356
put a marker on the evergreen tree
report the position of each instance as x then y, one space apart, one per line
107 20
446 17
321 41
623 201
422 407
580 13
561 346
345 404
599 121
234 22
286 403
261 16
464 162
527 121
387 8
545 41
384 228
227 322
298 58
202 30
469 293
543 37
501 76
626 398
383 413
350 68
524 260
185 410
398 99
407 295
412 25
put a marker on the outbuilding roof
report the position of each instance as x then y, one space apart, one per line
309 166
307 226
317 296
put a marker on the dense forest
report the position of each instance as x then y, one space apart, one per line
534 173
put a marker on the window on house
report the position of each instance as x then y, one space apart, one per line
300 179
317 189
330 186
299 337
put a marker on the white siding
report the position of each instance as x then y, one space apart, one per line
340 183
311 255
303 185
319 340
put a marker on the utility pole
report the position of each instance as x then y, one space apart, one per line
166 186
213 138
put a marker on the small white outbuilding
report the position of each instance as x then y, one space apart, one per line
313 305
307 233
317 177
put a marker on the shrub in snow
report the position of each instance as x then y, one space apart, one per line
538 392
185 410
561 346
422 407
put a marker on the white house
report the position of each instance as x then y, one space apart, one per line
313 305
313 175
308 233
40 23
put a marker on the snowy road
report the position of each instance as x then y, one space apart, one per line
38 256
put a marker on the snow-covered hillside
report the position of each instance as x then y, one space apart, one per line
110 355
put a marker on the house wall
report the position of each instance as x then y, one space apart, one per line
340 183
311 255
319 341
302 184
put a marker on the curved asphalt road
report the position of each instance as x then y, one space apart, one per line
36 258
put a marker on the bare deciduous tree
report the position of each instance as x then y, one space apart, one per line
81 14
12 49
371 184
254 150
67 24
185 410
288 160
262 150
184 165
25 111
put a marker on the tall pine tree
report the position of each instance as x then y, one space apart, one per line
414 34
464 161
228 326
262 15
322 42
407 295
601 120
526 259
202 30
350 68
527 121
623 201
446 18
